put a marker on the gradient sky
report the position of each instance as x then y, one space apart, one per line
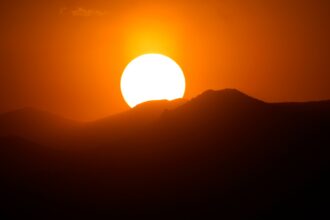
67 56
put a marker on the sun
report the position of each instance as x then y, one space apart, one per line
152 77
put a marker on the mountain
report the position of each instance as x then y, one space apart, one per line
135 120
35 125
222 154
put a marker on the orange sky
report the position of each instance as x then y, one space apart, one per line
68 56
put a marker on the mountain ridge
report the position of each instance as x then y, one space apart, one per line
222 154
45 128
229 93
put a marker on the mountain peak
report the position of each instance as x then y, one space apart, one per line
229 93
227 96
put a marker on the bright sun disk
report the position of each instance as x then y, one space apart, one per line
152 77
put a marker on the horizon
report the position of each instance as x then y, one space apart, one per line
146 103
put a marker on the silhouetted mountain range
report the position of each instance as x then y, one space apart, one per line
36 125
221 154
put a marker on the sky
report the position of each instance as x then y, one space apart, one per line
67 56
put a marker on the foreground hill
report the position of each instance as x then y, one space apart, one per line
49 129
222 154
36 125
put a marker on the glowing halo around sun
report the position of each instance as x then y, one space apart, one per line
152 77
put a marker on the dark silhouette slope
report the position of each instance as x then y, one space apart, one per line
36 125
222 154
134 120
